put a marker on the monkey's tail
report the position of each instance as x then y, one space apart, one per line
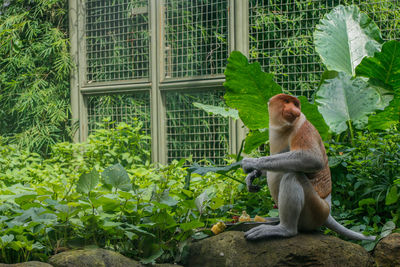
332 224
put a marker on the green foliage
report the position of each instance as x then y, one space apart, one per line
386 119
248 90
104 193
344 36
116 176
87 182
215 110
384 70
124 144
344 101
367 173
384 67
35 66
255 139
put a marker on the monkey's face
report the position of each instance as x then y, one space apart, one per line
283 109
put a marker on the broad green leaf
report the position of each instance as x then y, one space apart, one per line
87 182
153 257
139 230
387 118
387 229
248 90
25 198
384 68
366 201
392 196
215 110
5 239
109 224
46 218
166 199
344 37
255 139
117 177
201 201
191 225
327 75
131 236
163 219
344 99
30 214
315 117
109 204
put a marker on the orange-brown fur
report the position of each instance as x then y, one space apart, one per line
303 137
306 137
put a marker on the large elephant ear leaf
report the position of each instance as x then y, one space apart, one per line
384 68
387 118
255 139
312 114
248 89
343 99
87 182
117 177
344 37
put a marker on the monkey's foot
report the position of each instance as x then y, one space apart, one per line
267 231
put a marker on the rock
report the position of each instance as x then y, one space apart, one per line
232 249
92 257
27 264
387 252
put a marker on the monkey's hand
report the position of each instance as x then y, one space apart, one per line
249 181
249 165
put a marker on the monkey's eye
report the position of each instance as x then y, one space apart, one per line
286 101
296 104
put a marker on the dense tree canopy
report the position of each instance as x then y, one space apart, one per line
34 73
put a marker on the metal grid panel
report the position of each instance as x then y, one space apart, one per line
126 108
117 40
281 37
196 37
191 131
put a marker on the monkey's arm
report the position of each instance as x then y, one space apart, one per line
306 161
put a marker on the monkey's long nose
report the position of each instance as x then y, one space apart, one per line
295 112
291 114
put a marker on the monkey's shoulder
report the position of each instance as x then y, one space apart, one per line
305 136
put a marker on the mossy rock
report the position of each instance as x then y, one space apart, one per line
92 257
232 249
387 252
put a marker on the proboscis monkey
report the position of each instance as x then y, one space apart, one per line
298 174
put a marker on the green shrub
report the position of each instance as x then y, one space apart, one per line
105 193
366 179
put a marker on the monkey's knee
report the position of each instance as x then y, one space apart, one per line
290 201
291 184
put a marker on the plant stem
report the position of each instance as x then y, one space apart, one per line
351 132
230 177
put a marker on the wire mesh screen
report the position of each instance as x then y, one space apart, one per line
117 40
128 108
193 132
196 37
281 40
